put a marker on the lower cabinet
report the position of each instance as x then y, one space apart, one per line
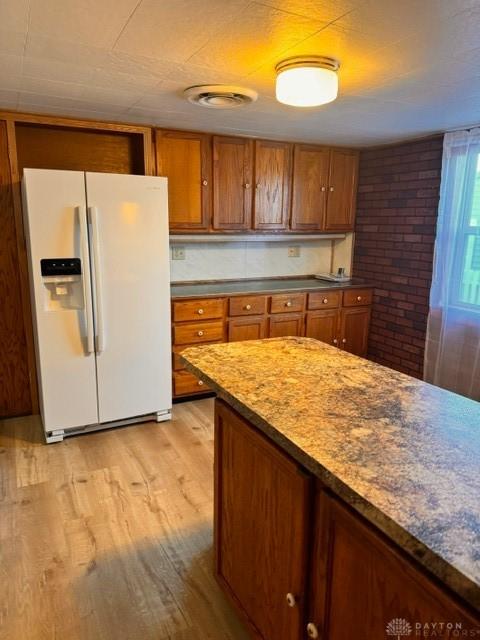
298 563
262 506
246 329
354 328
288 324
322 325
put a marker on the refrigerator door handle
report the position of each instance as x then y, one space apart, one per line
87 285
93 212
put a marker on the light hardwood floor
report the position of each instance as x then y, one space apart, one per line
109 535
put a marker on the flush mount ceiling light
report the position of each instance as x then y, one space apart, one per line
307 81
220 96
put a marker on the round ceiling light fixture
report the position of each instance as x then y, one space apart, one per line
220 96
307 81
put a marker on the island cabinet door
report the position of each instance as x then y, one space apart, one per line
262 511
362 587
354 328
232 183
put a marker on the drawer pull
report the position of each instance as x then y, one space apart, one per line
258 185
335 341
247 185
291 600
324 188
200 312
200 383
344 340
325 300
331 188
204 182
288 304
200 333
359 298
312 631
247 307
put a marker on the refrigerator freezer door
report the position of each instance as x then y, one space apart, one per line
128 218
56 226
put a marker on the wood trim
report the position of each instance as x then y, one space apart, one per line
22 264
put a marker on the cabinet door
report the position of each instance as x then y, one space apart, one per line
246 329
261 527
232 183
185 159
310 181
289 324
272 184
360 582
354 326
323 325
342 190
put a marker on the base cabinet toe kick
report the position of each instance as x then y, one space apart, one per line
297 562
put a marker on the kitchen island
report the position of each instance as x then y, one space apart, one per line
347 494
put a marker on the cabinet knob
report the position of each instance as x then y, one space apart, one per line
258 185
247 307
200 311
200 333
312 631
204 182
325 300
344 340
288 304
335 341
331 189
247 185
200 383
291 600
324 188
359 298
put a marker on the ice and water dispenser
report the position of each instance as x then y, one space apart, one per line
62 279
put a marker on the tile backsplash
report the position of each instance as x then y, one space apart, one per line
230 260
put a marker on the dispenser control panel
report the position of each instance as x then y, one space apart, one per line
61 266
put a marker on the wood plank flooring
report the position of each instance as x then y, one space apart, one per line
108 536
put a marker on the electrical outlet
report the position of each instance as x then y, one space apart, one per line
294 252
178 253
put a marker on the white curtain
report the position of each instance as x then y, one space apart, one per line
452 354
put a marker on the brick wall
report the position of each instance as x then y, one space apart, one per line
395 233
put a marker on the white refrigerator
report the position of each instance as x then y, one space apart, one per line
99 276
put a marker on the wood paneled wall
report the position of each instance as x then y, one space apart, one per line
15 392
54 143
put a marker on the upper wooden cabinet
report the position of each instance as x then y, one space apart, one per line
226 183
324 188
311 165
342 190
232 183
272 184
185 159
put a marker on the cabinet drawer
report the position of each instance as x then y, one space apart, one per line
287 303
324 300
195 332
205 309
357 297
185 383
176 351
247 306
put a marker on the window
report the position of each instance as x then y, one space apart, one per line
467 268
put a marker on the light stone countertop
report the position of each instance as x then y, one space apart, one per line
403 453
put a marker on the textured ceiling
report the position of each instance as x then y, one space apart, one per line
408 67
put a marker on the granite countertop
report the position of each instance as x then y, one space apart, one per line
267 285
403 453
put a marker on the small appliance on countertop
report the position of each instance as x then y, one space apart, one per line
339 276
